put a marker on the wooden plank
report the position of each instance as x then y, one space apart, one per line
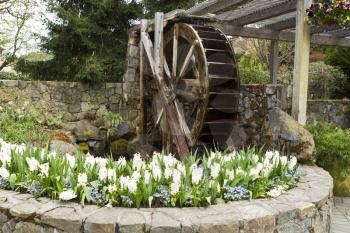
158 43
301 65
168 106
282 25
271 10
187 59
175 50
268 34
273 61
345 32
143 109
215 6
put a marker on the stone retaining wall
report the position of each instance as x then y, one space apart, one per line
333 111
306 208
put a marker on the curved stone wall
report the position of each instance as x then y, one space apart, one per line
305 208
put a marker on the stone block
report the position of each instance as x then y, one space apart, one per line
25 210
63 218
163 223
102 221
27 227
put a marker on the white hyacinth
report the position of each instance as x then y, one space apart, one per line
174 188
277 191
4 173
82 179
137 162
196 175
89 160
230 174
121 162
111 188
67 195
147 177
44 169
111 174
102 174
156 172
284 160
167 173
215 170
70 159
292 163
33 164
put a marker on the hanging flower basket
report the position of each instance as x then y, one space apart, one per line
329 13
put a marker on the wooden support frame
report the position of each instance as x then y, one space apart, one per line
301 65
274 62
155 58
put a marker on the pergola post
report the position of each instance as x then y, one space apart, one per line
273 61
301 64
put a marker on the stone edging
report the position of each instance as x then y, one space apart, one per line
305 208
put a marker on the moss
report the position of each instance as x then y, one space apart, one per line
119 147
84 147
88 133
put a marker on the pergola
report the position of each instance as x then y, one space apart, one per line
276 20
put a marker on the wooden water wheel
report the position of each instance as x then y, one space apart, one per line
199 84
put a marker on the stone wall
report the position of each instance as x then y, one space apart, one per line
333 111
304 209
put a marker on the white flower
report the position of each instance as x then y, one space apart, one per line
33 164
275 160
67 195
109 205
4 173
111 174
44 168
102 174
255 158
215 170
101 161
169 160
174 188
121 162
82 179
196 175
230 174
181 168
137 162
167 173
89 160
156 173
176 175
275 192
266 170
128 183
292 163
269 155
111 188
136 175
239 171
71 160
147 177
284 160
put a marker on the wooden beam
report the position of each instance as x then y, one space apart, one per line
215 6
143 110
158 44
265 13
268 34
281 25
273 61
301 65
345 32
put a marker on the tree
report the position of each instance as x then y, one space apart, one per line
165 6
15 33
88 40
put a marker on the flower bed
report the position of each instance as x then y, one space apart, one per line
158 181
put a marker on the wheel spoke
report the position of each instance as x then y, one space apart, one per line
175 49
182 119
187 60
166 68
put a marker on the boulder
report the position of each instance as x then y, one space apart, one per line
282 131
63 147
84 131
123 131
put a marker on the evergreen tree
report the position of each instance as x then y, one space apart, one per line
89 40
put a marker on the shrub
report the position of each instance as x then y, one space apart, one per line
333 153
20 126
326 81
160 181
251 72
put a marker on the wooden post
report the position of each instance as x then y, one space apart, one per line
301 64
273 61
143 120
158 43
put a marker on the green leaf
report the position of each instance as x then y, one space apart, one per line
12 180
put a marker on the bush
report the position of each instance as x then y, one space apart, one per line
333 153
20 126
326 82
159 181
251 72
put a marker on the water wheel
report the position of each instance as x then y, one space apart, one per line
201 73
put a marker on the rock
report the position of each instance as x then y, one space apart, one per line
140 146
123 131
163 223
84 130
9 226
119 147
131 222
59 135
84 147
63 147
63 218
281 129
24 210
27 227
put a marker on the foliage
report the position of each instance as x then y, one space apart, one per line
115 119
159 181
20 126
8 75
329 12
339 57
326 82
332 150
251 72
88 41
